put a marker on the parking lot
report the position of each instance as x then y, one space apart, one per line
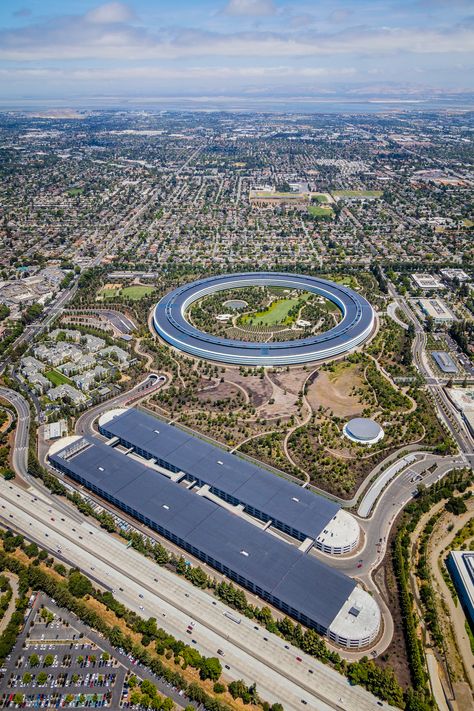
59 662
53 665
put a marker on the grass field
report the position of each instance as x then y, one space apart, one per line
276 314
319 197
317 211
75 191
136 292
468 223
108 293
358 193
58 378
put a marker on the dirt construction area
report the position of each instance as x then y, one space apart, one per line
337 390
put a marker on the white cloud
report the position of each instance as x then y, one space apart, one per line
111 12
252 8
105 34
152 73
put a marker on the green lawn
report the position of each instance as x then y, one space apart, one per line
58 378
319 197
468 223
75 191
136 292
317 211
358 193
108 293
276 314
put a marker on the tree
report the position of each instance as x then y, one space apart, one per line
78 584
456 506
26 678
42 678
48 660
210 668
34 660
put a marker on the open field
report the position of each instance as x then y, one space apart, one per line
276 314
136 292
335 390
317 211
108 293
358 193
58 378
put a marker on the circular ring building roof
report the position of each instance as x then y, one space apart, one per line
170 322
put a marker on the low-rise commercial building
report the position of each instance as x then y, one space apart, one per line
437 310
427 281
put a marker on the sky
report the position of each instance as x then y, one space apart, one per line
74 48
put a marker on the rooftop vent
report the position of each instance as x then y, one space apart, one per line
244 553
156 431
354 611
293 498
219 462
101 469
166 507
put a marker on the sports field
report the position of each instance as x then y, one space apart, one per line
277 313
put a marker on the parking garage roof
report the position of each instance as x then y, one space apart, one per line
252 485
301 581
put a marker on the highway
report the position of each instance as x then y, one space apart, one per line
20 446
250 652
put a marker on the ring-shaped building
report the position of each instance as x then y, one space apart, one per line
357 323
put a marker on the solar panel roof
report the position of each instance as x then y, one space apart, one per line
301 581
252 485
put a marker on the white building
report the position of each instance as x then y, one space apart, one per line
427 281
437 310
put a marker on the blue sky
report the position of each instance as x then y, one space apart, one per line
61 48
